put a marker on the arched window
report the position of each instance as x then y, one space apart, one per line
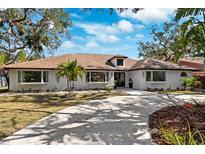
183 74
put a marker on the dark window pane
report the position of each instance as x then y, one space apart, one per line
119 62
45 76
31 76
148 76
183 74
88 77
19 76
159 76
97 77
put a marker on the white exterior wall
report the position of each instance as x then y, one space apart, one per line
114 62
136 77
173 79
53 84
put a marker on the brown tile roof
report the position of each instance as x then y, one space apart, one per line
150 63
118 56
198 74
193 64
88 61
97 62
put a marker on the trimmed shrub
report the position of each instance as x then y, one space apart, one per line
188 82
109 87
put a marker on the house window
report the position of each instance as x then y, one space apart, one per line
88 77
155 76
148 76
183 74
107 76
119 62
32 76
159 76
45 76
97 77
19 76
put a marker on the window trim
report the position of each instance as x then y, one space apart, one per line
20 81
152 81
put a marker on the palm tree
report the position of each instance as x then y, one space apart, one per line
64 70
192 30
185 12
70 70
77 70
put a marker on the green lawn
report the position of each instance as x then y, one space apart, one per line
16 112
181 92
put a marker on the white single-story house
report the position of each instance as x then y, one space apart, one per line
100 70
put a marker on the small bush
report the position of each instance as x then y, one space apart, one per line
197 84
109 87
188 82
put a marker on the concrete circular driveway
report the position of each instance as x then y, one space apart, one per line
115 120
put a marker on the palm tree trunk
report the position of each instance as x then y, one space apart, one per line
73 84
68 86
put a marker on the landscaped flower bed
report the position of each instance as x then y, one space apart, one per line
178 124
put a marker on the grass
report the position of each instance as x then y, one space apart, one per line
182 92
17 112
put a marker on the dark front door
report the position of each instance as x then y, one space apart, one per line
119 79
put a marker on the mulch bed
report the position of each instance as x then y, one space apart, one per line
176 118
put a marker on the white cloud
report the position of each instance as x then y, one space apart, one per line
149 15
125 26
104 33
108 38
92 44
79 38
68 45
93 28
139 26
74 15
139 36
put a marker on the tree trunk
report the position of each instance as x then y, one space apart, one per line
204 61
73 84
68 86
6 75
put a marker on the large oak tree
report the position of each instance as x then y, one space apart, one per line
31 30
163 42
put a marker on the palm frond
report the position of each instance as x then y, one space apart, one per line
185 12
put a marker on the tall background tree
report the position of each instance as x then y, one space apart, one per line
162 46
31 30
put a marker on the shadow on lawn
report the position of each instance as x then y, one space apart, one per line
56 99
123 121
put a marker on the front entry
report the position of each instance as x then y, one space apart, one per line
119 79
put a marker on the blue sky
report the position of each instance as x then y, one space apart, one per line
99 32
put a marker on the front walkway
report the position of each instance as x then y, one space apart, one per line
115 120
